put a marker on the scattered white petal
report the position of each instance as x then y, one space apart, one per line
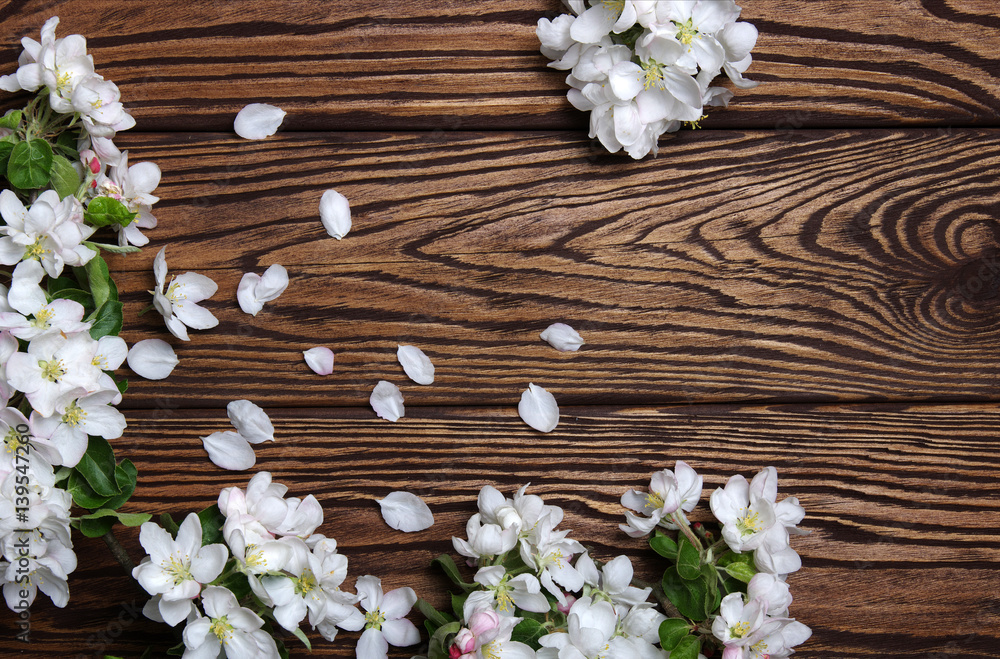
152 359
406 512
319 359
254 290
335 212
562 337
258 121
245 294
250 421
538 409
417 365
229 450
387 401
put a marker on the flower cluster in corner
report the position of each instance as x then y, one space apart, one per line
642 68
262 564
530 598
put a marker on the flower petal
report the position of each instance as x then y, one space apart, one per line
258 121
152 359
272 283
246 294
562 337
405 511
387 401
538 409
319 359
335 213
250 421
416 364
229 450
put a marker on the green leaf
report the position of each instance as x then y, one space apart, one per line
128 519
212 520
689 596
168 523
299 634
95 528
672 631
177 650
98 280
126 476
434 616
237 584
445 562
107 320
97 466
687 648
740 571
710 577
458 605
77 295
103 211
5 150
63 177
29 164
121 384
84 495
11 120
688 560
664 546
528 632
437 648
66 143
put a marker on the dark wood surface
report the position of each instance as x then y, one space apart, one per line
811 282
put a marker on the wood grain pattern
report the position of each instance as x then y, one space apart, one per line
840 265
448 64
900 501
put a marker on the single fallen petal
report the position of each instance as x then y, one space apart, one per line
538 409
319 359
258 121
335 212
229 450
387 401
246 294
562 337
272 283
406 512
152 359
417 365
250 421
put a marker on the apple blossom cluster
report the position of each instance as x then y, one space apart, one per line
268 568
60 314
642 68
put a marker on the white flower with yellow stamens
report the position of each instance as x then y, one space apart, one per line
177 301
669 492
506 592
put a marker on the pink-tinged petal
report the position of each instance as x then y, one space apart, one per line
258 121
152 359
250 421
387 401
319 359
229 450
335 213
538 409
405 511
400 633
416 364
372 645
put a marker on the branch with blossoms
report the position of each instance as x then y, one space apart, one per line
722 591
66 183
644 68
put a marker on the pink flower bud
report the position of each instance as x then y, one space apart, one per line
465 641
483 621
564 608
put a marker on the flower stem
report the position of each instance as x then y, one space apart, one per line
118 552
685 528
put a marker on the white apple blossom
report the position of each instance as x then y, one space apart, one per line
590 635
55 370
227 630
506 592
48 232
99 103
177 568
670 493
548 552
487 635
612 582
57 64
178 301
485 541
132 186
384 621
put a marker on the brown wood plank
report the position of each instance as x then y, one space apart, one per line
854 265
900 501
448 64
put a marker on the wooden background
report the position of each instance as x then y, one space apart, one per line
812 281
